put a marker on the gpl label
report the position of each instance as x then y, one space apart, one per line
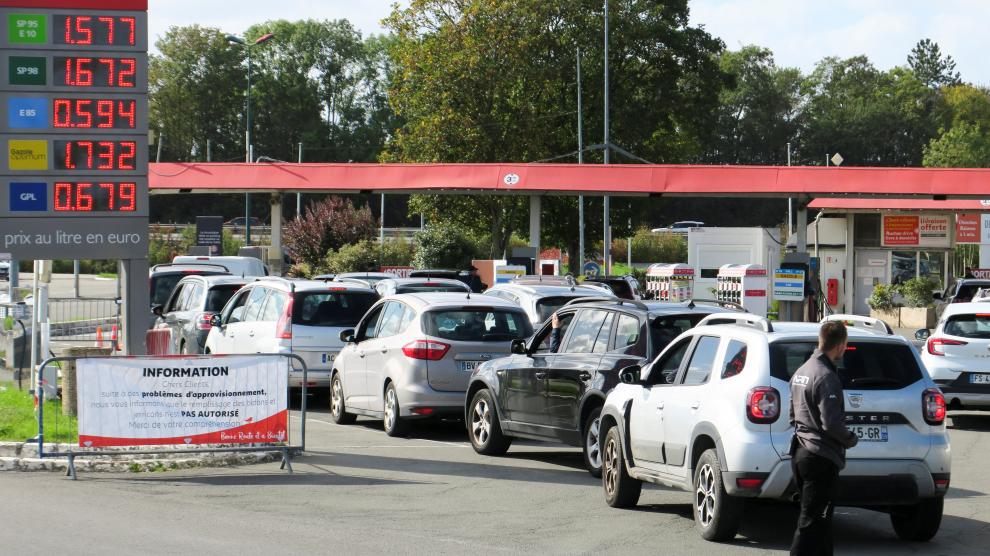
28 197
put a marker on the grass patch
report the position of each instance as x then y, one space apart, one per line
108 275
18 421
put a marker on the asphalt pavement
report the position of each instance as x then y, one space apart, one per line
358 491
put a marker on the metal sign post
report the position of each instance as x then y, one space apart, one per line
74 138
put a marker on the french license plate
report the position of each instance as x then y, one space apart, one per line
327 357
979 378
468 366
870 433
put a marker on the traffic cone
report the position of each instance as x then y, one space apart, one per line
99 336
113 338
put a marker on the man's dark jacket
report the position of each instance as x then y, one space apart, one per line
818 413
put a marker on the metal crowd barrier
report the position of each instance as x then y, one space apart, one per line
287 448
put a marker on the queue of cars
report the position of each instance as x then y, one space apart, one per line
687 395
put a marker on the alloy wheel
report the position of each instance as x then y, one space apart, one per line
610 467
592 443
336 398
390 409
481 422
705 495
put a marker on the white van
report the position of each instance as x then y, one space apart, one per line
245 267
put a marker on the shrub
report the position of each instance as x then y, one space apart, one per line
918 291
327 226
882 298
648 247
442 246
358 257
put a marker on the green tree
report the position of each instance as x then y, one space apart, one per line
494 80
443 246
933 69
327 226
965 139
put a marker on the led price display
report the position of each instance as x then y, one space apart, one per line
95 155
95 71
95 196
93 113
89 30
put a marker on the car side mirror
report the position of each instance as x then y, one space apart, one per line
158 310
922 334
215 320
518 347
630 374
347 336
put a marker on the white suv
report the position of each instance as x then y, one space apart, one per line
304 317
957 355
709 415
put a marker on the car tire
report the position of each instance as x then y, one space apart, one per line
484 428
394 424
621 490
592 445
920 522
716 514
338 411
184 349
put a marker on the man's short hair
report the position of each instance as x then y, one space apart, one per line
832 334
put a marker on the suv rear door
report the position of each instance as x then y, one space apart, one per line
883 382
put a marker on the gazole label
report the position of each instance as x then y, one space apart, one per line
27 154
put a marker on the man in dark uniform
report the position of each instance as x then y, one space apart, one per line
818 449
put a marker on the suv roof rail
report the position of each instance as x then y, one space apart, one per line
215 265
858 321
605 299
727 304
745 319
536 279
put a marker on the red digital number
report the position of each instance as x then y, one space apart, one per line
130 22
105 155
128 151
84 200
127 111
109 22
63 196
69 113
82 34
129 64
128 193
104 110
108 196
62 113
77 72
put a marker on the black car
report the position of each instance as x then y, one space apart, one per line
193 303
625 287
960 291
557 396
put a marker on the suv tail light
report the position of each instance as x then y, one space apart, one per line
763 405
283 330
203 321
425 349
933 406
935 345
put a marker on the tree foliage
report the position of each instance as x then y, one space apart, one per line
443 246
928 64
327 226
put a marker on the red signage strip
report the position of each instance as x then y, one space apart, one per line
130 5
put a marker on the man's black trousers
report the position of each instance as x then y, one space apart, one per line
816 478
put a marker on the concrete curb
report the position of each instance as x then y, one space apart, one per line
23 456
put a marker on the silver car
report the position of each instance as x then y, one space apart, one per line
540 301
412 355
394 286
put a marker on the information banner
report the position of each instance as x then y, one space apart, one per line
209 233
788 284
182 401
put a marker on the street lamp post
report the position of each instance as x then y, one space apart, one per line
248 122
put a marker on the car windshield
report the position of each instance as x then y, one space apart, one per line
549 305
975 326
665 328
967 291
864 366
322 308
472 324
218 296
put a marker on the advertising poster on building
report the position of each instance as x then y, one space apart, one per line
909 230
967 228
168 401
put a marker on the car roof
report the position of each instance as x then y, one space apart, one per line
298 285
424 280
966 308
805 331
217 279
381 275
548 290
187 268
423 300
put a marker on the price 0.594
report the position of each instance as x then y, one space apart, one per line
95 197
90 113
95 155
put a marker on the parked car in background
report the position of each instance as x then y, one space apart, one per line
189 311
626 287
957 355
961 291
709 416
680 227
162 278
240 221
367 278
304 317
557 396
437 273
412 355
541 300
246 267
393 286
324 277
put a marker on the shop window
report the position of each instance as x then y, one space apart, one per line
867 230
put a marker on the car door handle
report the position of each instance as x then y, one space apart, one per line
251 333
695 404
540 376
584 375
384 350
361 354
659 407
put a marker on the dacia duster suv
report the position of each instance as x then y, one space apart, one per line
710 416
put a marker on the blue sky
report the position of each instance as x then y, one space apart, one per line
800 32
